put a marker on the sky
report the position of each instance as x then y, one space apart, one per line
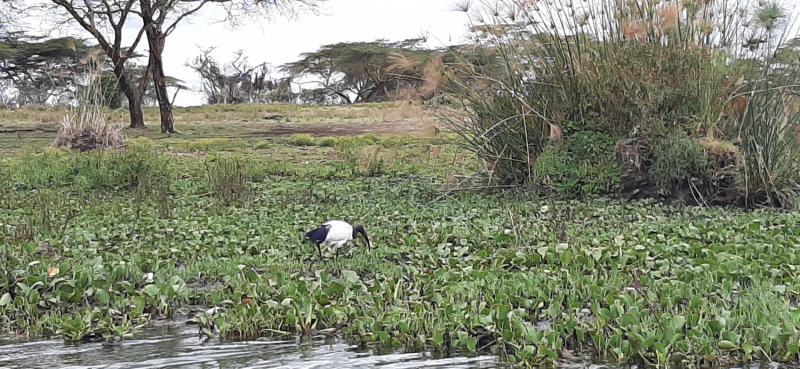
282 40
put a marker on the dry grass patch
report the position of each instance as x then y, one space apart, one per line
88 129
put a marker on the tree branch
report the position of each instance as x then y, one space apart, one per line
183 16
88 27
132 48
110 15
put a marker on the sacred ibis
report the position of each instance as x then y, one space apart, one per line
337 233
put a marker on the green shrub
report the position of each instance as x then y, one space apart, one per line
525 77
263 145
770 156
582 165
213 144
327 142
677 159
229 179
30 170
301 139
91 170
140 143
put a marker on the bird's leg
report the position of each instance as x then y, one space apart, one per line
337 253
320 250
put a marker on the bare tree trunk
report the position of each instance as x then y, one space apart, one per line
156 41
136 113
134 98
160 82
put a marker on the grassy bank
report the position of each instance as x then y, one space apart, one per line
531 280
35 126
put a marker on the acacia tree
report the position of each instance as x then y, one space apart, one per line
105 20
161 17
235 82
40 70
361 69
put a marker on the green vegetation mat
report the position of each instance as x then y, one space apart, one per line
531 280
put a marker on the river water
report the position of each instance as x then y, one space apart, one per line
181 347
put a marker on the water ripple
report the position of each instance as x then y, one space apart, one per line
183 348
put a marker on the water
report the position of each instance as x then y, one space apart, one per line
170 347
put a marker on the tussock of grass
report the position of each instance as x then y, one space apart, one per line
87 129
301 140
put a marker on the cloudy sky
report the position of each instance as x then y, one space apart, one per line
281 40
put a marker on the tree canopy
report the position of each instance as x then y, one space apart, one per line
355 72
40 70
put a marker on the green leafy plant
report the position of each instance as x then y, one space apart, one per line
538 68
229 180
678 159
302 139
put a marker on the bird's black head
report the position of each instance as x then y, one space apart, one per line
358 228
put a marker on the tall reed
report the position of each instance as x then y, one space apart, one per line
665 67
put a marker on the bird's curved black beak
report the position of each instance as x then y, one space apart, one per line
363 232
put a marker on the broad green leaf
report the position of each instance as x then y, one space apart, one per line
349 276
102 296
151 290
565 257
678 321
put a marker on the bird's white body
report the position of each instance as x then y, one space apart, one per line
336 233
340 233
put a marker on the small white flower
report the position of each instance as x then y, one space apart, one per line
544 209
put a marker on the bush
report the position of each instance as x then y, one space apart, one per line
770 154
327 142
666 67
678 159
229 180
140 143
93 170
214 144
678 71
87 129
302 139
583 165
263 145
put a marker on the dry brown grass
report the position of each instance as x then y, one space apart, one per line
667 16
720 153
407 93
49 117
87 130
634 29
401 63
715 146
433 75
400 110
